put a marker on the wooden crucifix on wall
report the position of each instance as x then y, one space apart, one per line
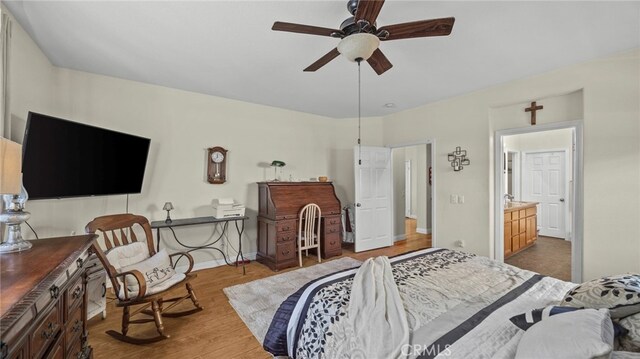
533 109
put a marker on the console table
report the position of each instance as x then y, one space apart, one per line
43 307
278 207
224 222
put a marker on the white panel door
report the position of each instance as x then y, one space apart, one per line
373 198
544 182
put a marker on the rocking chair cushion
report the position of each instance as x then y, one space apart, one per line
155 271
155 289
127 255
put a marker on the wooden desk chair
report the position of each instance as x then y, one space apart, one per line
309 230
139 274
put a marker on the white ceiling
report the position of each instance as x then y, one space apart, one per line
227 48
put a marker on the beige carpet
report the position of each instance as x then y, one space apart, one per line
549 256
256 302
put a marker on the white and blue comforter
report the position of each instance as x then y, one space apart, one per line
457 305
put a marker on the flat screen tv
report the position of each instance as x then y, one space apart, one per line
62 159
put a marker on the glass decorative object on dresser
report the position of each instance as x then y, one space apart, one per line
14 196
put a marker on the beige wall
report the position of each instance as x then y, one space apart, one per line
611 156
31 79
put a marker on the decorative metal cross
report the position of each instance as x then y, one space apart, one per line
533 110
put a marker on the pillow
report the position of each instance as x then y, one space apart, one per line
620 294
155 270
525 320
631 341
579 334
122 256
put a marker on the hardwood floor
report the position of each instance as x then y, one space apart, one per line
410 230
216 332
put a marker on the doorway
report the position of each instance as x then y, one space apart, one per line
412 197
379 198
538 200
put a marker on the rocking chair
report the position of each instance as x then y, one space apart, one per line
139 275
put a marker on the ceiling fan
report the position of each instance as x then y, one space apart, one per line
361 36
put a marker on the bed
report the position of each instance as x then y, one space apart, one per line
457 305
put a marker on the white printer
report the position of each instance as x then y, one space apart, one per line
226 207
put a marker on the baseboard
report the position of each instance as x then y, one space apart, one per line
215 263
412 216
399 237
423 230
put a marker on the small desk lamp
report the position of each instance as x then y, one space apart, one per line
277 164
14 196
168 207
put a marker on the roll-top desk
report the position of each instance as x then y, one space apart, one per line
43 307
279 204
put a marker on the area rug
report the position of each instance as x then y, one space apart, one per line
256 302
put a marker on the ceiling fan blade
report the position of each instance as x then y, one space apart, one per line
379 62
424 28
369 10
323 60
304 29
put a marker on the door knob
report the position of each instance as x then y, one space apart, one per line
561 199
358 205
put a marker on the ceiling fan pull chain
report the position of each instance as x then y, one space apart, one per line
359 114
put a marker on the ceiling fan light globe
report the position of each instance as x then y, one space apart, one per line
358 46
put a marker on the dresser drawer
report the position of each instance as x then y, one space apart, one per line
329 221
332 229
285 226
75 293
57 351
286 251
74 327
332 243
46 332
286 236
74 349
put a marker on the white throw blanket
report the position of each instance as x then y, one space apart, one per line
375 326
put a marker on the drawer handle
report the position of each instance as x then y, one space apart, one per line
285 228
76 292
80 262
285 253
104 290
77 326
332 242
333 230
333 222
55 291
48 334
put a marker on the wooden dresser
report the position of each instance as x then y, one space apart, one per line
520 227
279 204
43 305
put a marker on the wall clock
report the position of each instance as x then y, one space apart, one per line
216 165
